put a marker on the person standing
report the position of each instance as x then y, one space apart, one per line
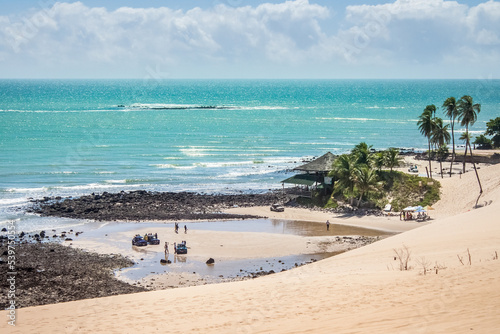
166 247
328 225
185 229
175 248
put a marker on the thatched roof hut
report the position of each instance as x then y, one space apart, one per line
314 174
322 165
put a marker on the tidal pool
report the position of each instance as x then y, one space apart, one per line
223 269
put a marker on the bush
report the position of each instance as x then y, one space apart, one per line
331 204
482 142
402 190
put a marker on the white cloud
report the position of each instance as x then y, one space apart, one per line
73 33
424 32
270 39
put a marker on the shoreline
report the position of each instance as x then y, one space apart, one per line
436 294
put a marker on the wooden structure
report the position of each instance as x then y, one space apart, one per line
314 176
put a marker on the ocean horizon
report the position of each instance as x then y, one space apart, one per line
66 137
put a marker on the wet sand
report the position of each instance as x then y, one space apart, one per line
242 249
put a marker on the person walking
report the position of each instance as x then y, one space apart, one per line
328 225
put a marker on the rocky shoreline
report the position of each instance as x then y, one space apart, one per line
145 205
48 273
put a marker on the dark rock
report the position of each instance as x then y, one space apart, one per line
161 206
4 230
210 261
47 274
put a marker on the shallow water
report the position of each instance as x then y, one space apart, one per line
276 226
223 269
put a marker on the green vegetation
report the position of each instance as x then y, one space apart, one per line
402 190
466 111
451 111
493 129
483 143
435 131
426 124
359 177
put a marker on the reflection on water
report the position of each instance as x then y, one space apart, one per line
221 268
277 226
312 229
303 228
150 260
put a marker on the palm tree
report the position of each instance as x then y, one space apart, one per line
467 111
363 154
468 115
466 138
451 111
344 169
440 137
366 180
426 126
392 158
442 153
379 160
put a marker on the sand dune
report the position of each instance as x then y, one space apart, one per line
361 291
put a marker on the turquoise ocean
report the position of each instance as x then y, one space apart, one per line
75 137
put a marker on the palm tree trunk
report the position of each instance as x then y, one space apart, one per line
429 154
465 155
453 141
466 143
477 175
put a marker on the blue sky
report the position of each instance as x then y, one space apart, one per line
250 39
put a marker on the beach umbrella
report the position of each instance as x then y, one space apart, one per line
428 207
409 208
420 209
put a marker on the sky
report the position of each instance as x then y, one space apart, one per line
316 39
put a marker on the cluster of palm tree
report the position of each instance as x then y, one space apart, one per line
464 111
436 132
356 173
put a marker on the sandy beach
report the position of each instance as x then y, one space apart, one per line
451 285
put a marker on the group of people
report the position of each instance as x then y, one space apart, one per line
409 216
176 227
